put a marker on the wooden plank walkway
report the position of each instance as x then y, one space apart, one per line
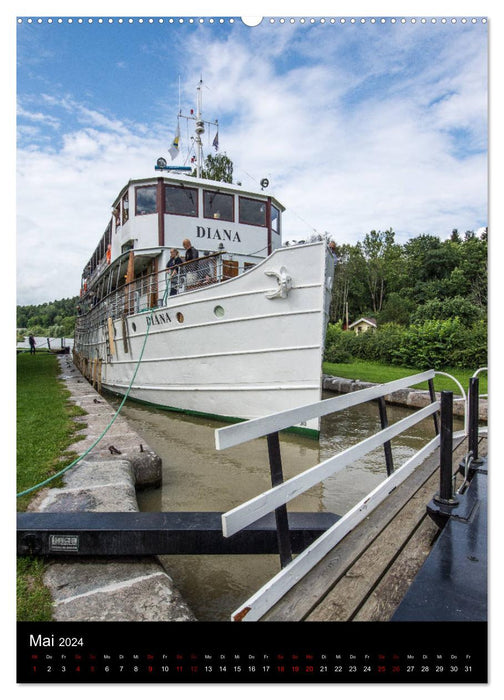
365 577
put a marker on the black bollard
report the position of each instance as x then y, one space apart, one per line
446 496
473 417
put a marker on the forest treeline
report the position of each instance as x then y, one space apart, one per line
54 319
428 296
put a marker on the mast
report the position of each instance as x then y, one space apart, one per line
200 127
199 131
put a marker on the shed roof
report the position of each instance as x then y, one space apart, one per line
369 321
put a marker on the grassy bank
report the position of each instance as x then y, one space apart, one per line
45 429
380 374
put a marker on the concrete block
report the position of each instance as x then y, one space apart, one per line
117 591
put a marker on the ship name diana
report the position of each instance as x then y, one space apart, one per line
158 319
224 235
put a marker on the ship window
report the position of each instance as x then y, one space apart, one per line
146 200
252 211
275 219
218 206
125 208
181 200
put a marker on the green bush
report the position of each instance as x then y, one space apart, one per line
454 307
336 354
338 344
430 345
473 350
333 333
380 345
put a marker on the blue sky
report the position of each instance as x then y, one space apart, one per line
358 126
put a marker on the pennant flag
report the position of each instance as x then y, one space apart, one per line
174 148
215 143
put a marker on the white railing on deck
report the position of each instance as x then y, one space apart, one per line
241 516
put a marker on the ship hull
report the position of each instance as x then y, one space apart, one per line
244 348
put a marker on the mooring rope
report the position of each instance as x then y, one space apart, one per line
76 461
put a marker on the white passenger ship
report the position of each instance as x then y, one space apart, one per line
237 333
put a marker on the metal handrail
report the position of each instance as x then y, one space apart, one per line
464 397
481 369
460 398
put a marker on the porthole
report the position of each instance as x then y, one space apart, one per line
180 317
219 311
133 325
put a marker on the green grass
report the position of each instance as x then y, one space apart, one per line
45 429
34 602
380 374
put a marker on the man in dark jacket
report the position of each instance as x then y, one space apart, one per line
192 269
191 253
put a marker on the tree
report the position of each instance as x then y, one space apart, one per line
217 167
396 309
470 277
349 287
383 264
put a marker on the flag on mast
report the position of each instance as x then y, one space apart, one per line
215 143
174 148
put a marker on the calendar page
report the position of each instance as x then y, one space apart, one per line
252 391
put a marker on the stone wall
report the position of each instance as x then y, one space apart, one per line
410 398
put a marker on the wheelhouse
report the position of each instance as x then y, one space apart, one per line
152 216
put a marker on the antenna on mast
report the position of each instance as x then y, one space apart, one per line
200 127
199 131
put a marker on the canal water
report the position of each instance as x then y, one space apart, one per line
197 477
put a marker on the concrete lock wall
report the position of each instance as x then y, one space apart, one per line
121 589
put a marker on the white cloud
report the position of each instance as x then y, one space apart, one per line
386 158
388 162
64 202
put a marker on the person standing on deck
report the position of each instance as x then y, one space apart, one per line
32 342
172 269
191 255
332 250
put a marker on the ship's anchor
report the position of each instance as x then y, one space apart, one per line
284 281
